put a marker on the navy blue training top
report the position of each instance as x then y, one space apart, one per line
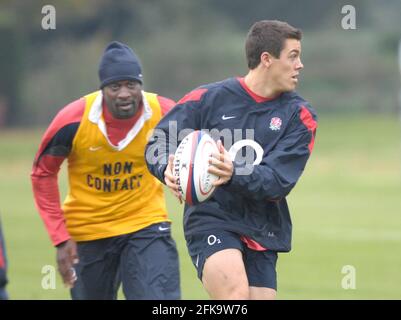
252 203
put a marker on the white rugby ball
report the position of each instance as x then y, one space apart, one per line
191 162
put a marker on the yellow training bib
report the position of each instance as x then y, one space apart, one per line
111 190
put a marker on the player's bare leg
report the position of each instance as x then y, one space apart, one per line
258 293
224 276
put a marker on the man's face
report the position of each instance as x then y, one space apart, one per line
285 70
123 98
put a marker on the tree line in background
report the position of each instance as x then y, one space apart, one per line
183 44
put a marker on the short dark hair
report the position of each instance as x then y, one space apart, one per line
268 36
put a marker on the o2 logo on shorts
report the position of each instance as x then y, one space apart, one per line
212 239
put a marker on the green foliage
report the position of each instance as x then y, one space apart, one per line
12 72
183 44
349 72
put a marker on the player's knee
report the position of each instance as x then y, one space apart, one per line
235 289
261 293
237 292
269 295
238 295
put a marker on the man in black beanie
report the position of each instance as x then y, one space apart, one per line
119 62
113 227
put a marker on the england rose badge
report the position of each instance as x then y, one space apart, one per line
275 124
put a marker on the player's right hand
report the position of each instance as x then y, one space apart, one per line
170 180
67 257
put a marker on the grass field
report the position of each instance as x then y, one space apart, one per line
346 210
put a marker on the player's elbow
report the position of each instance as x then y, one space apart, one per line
279 192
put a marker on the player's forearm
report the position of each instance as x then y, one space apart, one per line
274 178
280 170
47 200
262 183
179 122
156 154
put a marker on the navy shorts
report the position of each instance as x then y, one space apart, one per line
260 266
144 262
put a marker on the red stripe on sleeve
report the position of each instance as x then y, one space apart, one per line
71 113
47 198
45 171
310 123
166 104
195 95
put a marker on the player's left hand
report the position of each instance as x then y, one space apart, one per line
170 180
221 165
67 257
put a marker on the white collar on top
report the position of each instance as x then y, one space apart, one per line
95 116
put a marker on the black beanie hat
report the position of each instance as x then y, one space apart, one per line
119 62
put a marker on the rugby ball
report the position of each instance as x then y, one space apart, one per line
191 162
